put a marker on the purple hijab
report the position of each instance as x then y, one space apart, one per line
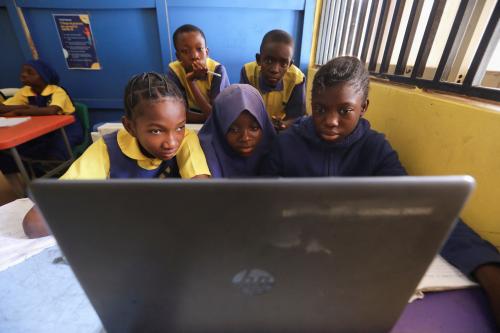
222 160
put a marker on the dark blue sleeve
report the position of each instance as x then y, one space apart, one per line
271 164
388 163
219 83
296 106
243 76
171 75
467 250
464 248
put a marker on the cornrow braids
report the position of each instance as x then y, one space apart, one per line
150 86
340 70
276 36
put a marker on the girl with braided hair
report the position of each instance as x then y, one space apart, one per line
154 143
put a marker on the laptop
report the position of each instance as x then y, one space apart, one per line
260 255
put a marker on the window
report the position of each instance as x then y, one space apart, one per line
449 45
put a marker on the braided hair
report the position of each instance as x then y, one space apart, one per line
150 86
341 70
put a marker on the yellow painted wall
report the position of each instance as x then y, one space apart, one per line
311 71
438 134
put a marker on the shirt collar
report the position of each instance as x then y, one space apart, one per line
48 90
130 147
264 88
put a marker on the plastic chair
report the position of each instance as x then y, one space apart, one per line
82 113
5 93
8 92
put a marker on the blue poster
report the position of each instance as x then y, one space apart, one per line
77 41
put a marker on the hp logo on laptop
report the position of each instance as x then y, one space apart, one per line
254 282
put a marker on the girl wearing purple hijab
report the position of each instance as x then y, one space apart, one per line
237 134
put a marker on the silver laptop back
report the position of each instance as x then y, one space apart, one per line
287 255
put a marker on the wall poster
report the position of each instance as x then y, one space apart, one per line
77 41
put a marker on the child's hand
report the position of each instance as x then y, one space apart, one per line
4 109
199 72
278 124
21 110
488 277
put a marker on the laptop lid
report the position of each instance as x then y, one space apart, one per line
260 255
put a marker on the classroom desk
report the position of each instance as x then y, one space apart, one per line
41 296
11 137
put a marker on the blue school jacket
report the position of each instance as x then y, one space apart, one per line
299 152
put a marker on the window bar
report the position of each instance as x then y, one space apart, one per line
484 51
468 46
322 33
340 28
373 36
492 94
354 27
457 33
428 38
361 21
369 30
416 10
328 29
379 34
332 28
346 31
393 32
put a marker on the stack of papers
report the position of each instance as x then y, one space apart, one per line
441 276
8 122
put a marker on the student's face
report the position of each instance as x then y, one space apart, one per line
274 61
158 126
244 134
30 77
190 47
336 111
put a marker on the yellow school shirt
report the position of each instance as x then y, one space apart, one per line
59 98
275 101
203 85
94 162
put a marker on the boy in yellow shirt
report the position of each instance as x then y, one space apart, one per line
197 76
279 81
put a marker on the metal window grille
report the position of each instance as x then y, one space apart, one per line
369 30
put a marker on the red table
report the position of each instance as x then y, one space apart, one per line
11 137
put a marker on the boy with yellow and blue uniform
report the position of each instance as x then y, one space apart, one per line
199 77
279 81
